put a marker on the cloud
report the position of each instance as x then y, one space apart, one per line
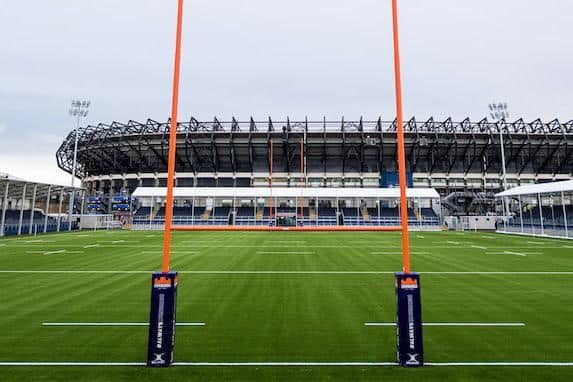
258 57
33 168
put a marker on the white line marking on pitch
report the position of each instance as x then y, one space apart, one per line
469 273
54 252
285 364
397 253
33 241
285 253
478 246
419 236
118 241
150 236
512 253
83 235
500 324
452 242
115 324
536 242
499 363
174 252
72 363
270 364
288 241
515 253
91 245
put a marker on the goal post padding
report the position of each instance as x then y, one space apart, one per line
409 349
162 319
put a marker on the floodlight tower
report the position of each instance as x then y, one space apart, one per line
498 111
78 110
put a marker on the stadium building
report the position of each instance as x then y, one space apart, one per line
460 160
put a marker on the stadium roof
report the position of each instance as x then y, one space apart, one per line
284 192
17 187
341 146
542 188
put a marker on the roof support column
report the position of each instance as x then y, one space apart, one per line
22 200
531 220
71 208
32 206
193 210
59 220
234 211
520 212
213 215
4 207
47 209
83 203
564 214
505 213
337 212
296 217
540 213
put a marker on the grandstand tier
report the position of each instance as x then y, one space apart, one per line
250 206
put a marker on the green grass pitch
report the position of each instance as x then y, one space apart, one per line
286 297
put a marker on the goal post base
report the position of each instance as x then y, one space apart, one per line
162 319
409 347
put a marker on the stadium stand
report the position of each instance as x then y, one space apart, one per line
31 207
461 160
217 208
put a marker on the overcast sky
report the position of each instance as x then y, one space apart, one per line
264 58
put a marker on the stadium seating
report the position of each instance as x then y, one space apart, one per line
142 212
38 222
553 218
312 216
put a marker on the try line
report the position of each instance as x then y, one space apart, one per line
115 324
470 324
556 273
228 364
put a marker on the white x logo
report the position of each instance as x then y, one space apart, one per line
412 358
158 358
